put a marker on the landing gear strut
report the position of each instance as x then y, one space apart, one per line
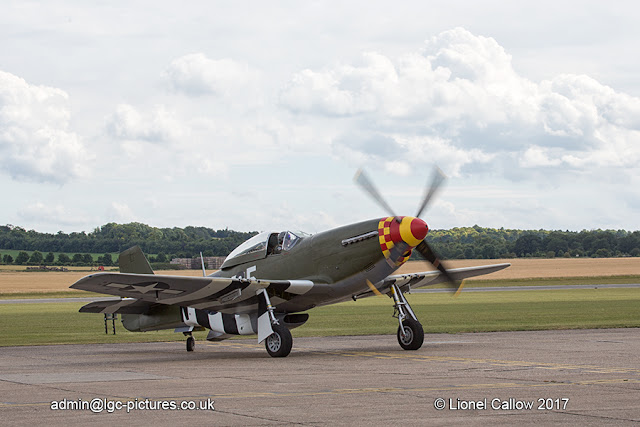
410 332
280 341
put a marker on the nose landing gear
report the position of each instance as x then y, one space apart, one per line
410 332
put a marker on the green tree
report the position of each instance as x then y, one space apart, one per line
50 258
63 259
107 260
469 252
488 251
556 242
36 258
7 259
87 259
628 243
528 244
77 259
22 258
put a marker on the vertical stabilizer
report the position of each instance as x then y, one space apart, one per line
133 261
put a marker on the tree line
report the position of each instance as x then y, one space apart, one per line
167 243
38 258
487 243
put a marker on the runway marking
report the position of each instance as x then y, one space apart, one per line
364 390
449 359
78 377
490 362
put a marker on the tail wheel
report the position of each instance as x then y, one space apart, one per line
413 334
191 344
279 343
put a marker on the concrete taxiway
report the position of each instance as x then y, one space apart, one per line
583 377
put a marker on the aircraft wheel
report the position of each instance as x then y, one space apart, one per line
191 344
279 343
413 334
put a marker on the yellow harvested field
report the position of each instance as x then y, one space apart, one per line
51 281
526 268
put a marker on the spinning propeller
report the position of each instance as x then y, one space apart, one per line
423 247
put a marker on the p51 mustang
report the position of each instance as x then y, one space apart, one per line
267 283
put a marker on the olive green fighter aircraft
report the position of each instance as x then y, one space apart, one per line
267 284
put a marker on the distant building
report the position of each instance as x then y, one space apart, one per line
185 262
210 262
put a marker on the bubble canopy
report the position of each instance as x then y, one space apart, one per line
262 245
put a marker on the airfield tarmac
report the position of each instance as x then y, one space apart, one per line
365 380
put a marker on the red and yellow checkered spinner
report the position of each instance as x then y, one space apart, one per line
394 230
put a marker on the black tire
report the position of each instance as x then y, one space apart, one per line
191 344
279 343
414 334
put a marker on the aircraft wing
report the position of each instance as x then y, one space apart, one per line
427 278
214 293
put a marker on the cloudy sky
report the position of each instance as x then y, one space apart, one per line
256 115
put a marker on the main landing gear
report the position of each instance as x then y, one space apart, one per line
279 343
410 332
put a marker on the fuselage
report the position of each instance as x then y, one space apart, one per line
339 261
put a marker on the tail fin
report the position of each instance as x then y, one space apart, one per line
133 261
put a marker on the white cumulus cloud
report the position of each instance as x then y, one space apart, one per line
536 156
157 126
120 212
460 99
196 74
54 214
35 141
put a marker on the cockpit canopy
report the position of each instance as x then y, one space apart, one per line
262 245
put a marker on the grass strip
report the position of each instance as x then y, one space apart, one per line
56 294
37 324
600 280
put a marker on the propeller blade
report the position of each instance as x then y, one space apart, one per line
436 182
363 181
427 253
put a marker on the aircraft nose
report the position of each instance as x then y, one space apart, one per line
407 229
413 230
